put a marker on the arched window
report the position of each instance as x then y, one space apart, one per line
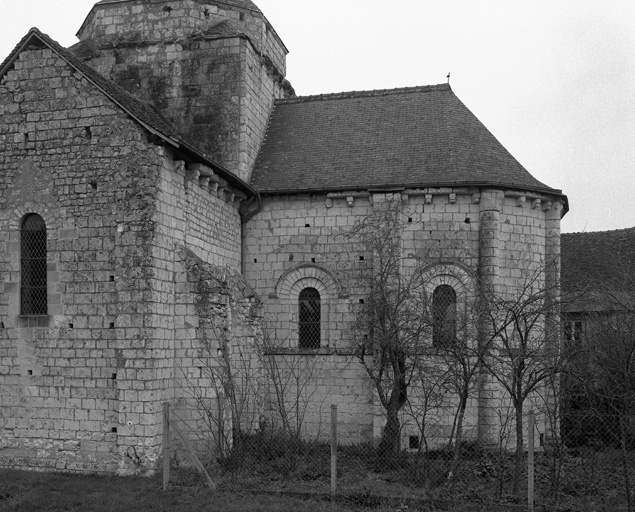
310 316
444 316
33 287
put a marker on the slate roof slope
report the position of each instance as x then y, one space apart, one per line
411 137
597 261
142 112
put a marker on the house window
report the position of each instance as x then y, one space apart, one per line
33 287
310 316
572 332
444 316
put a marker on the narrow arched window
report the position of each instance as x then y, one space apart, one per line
444 316
310 317
33 287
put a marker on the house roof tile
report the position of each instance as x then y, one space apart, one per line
597 262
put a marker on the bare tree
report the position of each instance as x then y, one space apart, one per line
290 377
225 385
524 349
462 360
390 329
606 373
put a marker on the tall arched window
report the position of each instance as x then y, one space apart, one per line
33 287
444 316
310 316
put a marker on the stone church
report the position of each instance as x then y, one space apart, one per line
163 188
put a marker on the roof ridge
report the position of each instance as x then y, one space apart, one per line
602 232
366 94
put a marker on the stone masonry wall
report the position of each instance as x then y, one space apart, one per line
295 242
216 355
81 388
217 88
190 211
77 387
171 20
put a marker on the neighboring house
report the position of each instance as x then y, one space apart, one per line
597 276
163 189
598 311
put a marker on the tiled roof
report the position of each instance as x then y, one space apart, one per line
597 262
418 136
142 112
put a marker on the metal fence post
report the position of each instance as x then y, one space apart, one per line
333 450
530 462
166 445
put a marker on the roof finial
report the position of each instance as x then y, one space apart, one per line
448 77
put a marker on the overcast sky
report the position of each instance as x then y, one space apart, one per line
554 80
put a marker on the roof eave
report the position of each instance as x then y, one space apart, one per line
394 187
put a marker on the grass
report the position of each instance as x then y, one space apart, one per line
276 474
22 491
590 481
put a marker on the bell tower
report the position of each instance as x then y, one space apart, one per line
211 67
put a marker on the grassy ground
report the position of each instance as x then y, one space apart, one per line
24 491
281 477
35 492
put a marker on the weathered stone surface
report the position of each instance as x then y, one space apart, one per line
145 248
92 371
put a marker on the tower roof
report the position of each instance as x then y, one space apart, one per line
410 137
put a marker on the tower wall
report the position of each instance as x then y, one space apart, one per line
213 70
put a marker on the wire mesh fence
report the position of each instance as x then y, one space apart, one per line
588 467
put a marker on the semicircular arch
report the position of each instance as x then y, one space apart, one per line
308 275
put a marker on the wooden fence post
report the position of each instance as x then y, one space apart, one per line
333 450
530 462
166 445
